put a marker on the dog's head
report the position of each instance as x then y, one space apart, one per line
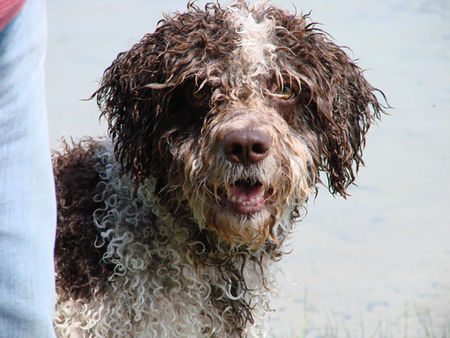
235 111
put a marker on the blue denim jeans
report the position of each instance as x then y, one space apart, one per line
27 197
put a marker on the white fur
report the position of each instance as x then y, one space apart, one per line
256 51
171 301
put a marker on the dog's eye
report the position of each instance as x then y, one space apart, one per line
285 93
199 94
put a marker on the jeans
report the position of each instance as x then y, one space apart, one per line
27 196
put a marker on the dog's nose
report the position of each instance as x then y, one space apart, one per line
246 146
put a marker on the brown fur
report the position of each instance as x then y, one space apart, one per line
78 260
170 101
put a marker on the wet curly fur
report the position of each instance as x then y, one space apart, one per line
219 124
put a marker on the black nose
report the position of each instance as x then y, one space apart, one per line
246 146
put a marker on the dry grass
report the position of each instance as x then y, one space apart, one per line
331 327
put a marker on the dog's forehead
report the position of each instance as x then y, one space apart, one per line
236 39
256 44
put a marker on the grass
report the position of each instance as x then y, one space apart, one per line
417 323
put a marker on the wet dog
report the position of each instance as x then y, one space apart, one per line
219 125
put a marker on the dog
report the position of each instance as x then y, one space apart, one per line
219 124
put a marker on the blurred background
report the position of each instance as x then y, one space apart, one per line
376 264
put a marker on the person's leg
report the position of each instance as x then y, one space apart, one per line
27 199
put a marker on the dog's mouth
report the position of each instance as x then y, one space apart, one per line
246 197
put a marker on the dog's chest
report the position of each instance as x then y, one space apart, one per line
166 280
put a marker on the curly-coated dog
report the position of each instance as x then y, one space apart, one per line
219 124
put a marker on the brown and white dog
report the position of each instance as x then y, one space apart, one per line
219 124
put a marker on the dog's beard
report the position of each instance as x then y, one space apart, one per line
246 205
240 228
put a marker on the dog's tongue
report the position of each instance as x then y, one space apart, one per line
246 198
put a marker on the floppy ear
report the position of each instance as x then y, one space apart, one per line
347 106
338 103
132 107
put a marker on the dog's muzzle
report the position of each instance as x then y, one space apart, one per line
246 147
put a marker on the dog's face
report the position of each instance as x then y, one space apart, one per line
235 111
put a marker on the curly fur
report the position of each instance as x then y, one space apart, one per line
149 241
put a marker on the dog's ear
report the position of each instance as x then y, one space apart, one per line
132 97
346 106
338 103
